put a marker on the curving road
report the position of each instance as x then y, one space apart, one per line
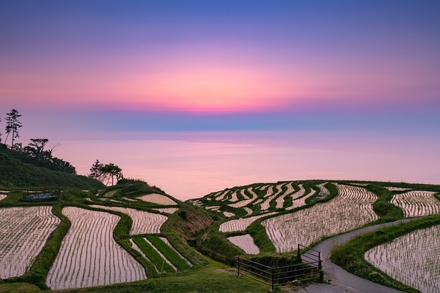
341 281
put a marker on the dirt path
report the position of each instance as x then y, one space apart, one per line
341 281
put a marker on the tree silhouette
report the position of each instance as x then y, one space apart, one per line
36 148
112 171
12 125
95 171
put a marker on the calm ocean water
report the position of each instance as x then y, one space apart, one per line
192 164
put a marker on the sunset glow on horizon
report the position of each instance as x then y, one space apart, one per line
89 68
218 57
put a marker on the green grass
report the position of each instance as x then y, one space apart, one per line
18 288
168 252
178 229
152 255
382 206
211 278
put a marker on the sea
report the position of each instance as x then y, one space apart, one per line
189 164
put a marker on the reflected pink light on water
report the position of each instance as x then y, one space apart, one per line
188 165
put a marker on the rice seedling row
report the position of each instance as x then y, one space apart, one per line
271 195
263 187
213 208
412 259
158 199
240 224
323 191
228 214
153 255
417 203
246 243
300 201
234 197
89 256
130 199
246 201
165 240
143 222
300 192
351 209
248 211
23 233
170 254
222 196
135 247
161 254
280 199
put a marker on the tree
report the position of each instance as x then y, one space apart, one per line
63 166
112 171
36 148
95 171
12 125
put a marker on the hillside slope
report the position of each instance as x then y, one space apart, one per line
16 173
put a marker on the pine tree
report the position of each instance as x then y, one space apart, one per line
12 125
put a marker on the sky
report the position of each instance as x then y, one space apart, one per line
84 68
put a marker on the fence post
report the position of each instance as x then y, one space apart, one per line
238 265
299 253
321 273
272 277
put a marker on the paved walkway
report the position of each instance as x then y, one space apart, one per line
341 281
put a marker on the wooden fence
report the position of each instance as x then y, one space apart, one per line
308 269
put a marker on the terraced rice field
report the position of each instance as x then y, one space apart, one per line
246 243
158 199
167 210
240 224
165 240
412 259
234 197
228 214
89 256
143 222
222 196
396 188
160 252
300 201
23 233
323 191
247 200
417 203
280 200
271 195
350 209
